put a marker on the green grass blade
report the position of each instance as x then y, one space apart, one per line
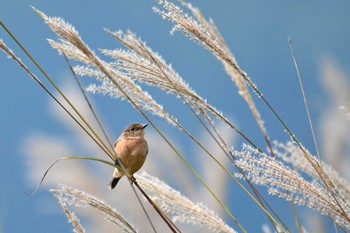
103 146
75 157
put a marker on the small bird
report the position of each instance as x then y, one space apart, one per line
131 148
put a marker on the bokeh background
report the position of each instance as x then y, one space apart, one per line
35 132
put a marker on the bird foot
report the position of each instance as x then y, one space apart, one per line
133 179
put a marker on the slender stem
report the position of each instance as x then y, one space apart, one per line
305 100
105 134
317 166
101 143
296 218
88 101
170 224
37 80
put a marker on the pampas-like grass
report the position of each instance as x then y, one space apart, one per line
287 183
117 84
73 197
290 171
180 207
289 153
78 228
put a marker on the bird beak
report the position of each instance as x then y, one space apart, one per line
144 126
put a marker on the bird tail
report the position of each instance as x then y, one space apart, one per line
113 182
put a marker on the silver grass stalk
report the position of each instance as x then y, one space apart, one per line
73 46
290 153
281 180
78 228
182 209
141 63
74 197
206 34
13 56
139 96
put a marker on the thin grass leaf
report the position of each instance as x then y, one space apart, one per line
319 169
70 157
89 130
88 102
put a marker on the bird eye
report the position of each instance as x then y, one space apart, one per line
132 129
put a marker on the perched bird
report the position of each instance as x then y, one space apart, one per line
131 148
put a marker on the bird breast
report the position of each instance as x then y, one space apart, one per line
132 152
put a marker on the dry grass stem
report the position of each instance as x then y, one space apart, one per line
70 196
206 34
182 209
281 180
78 228
114 83
291 154
146 66
12 55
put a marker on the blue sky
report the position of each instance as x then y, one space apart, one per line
255 31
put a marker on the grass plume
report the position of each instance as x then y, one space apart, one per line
287 170
74 197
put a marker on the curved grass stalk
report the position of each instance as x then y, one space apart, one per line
37 80
98 140
73 197
71 157
78 228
